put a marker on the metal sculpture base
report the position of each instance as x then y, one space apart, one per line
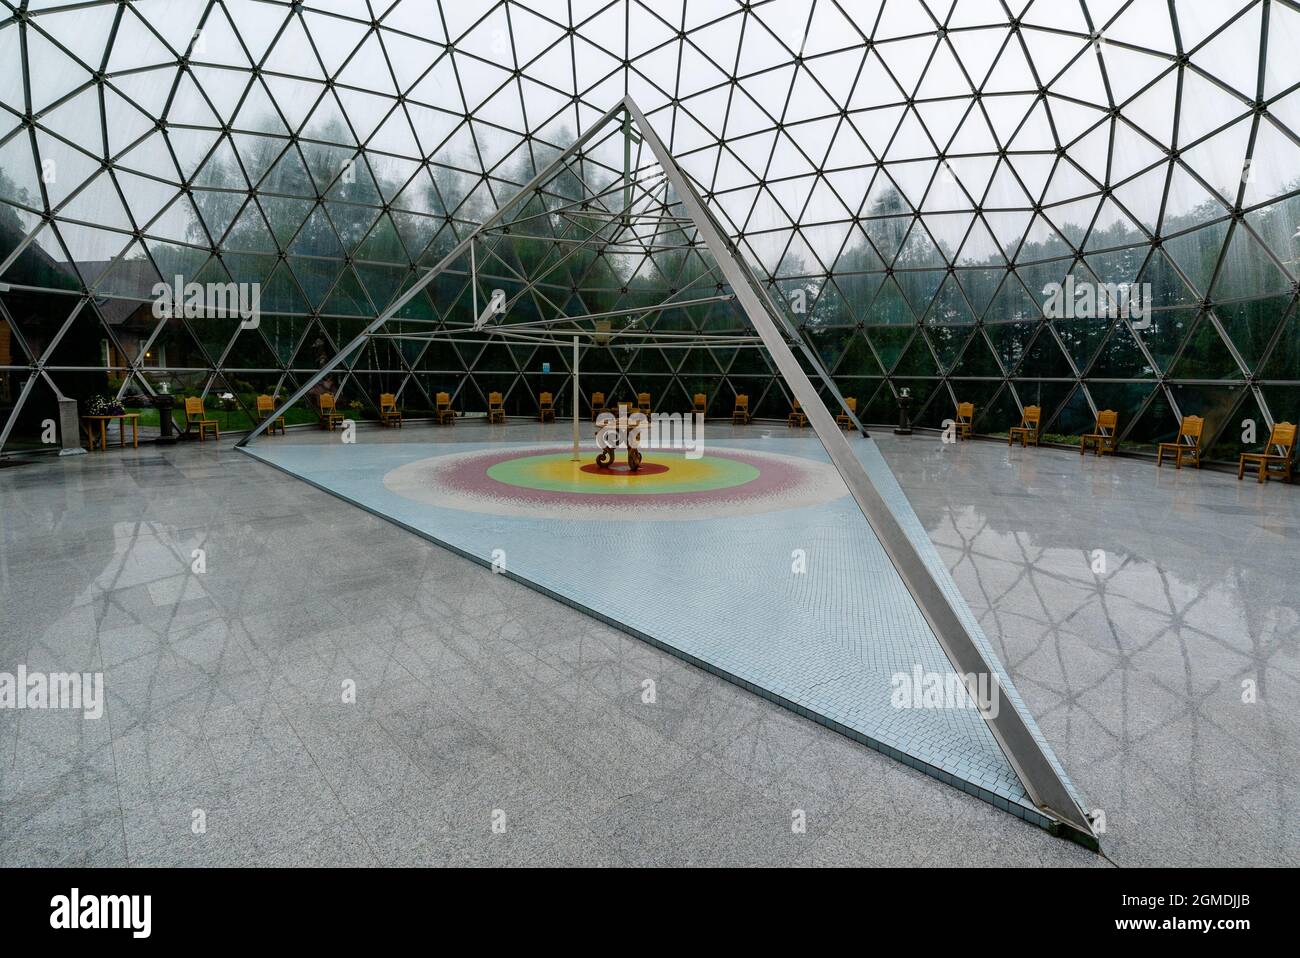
165 403
606 458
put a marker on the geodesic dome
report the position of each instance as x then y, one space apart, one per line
915 174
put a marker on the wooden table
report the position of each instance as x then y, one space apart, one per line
88 423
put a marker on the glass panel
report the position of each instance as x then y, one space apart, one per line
332 195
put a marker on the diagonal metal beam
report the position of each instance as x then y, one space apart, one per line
760 290
1022 749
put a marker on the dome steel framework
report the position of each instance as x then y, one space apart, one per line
911 176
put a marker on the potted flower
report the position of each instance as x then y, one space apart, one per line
104 406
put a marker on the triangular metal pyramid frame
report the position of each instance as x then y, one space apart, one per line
1024 749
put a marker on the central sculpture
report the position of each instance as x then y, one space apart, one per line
613 434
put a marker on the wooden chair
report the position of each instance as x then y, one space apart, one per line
546 408
389 414
1028 428
740 414
266 406
1277 453
796 417
843 420
1104 435
597 405
329 414
442 411
496 408
195 415
643 404
1188 443
699 404
965 419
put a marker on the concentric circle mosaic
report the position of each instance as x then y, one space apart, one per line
547 483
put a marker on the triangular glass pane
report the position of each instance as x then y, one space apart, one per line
1120 357
977 360
889 342
1045 358
1225 410
858 359
1284 361
1248 271
1250 325
1205 356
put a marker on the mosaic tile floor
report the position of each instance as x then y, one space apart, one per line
710 579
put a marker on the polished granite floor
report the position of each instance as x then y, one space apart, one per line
482 698
710 574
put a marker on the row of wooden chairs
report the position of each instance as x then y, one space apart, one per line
699 405
1104 437
327 410
196 416
1277 456
740 414
444 414
391 415
599 406
799 418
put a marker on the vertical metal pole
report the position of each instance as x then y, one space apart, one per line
473 277
576 457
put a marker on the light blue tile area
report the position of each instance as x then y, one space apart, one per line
721 592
